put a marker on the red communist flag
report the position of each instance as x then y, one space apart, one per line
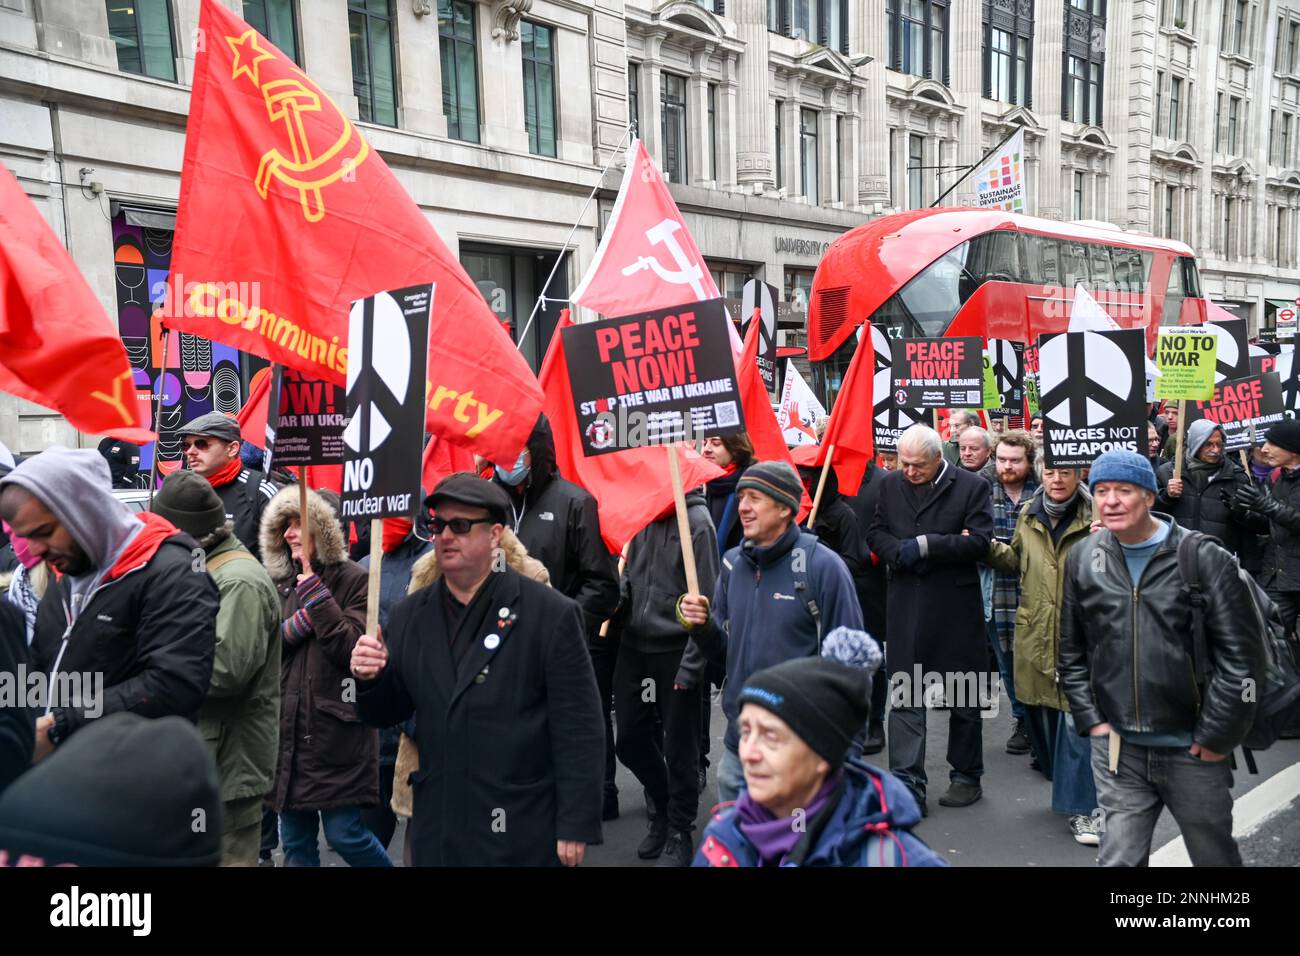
760 421
850 429
287 215
647 258
58 347
631 487
440 459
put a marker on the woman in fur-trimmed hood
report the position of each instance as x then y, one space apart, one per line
328 760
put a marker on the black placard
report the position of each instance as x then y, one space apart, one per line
764 297
653 378
888 420
1233 355
388 336
1008 360
307 427
1093 395
1240 403
938 373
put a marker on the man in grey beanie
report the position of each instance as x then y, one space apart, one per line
1161 723
1202 499
130 614
777 593
240 717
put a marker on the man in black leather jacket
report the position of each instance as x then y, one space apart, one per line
1126 667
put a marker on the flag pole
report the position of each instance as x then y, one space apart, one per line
372 588
1178 440
683 523
821 485
157 414
962 178
541 295
304 523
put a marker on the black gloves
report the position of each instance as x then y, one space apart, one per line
909 554
1251 497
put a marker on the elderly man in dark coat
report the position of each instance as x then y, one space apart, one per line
932 526
511 742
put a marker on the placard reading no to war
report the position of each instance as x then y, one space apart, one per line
1186 360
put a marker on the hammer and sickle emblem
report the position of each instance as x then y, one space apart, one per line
287 100
687 272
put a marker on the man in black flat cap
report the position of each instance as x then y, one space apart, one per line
211 445
511 742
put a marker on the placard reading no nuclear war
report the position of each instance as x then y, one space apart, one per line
938 373
653 378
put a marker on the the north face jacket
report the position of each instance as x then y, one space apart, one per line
761 615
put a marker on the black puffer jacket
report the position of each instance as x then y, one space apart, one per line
1281 566
1126 652
654 579
1206 503
558 524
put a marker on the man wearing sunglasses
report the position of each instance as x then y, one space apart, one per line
509 731
210 444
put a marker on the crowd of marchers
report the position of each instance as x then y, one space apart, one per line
517 660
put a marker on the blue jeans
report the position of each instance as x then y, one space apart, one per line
731 777
1150 779
1073 789
1005 661
344 832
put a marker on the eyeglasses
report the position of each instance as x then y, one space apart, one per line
458 526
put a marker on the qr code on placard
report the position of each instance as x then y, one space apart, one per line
975 398
726 414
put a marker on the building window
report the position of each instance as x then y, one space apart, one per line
808 154
1175 104
633 96
840 159
915 160
1169 212
798 288
1292 41
511 279
1084 62
1239 27
374 81
1180 15
274 20
142 33
1286 140
1272 137
1008 51
1076 103
816 21
674 127
1078 195
779 152
918 32
1160 103
457 42
805 20
1229 228
1218 126
1234 109
774 15
713 131
538 47
730 279
1000 65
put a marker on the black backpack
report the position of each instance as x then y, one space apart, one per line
1278 689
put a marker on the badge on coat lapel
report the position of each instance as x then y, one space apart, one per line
505 619
492 641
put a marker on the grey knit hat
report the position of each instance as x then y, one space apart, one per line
776 479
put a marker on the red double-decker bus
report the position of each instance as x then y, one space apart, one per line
993 274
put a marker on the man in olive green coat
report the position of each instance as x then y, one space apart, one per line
240 717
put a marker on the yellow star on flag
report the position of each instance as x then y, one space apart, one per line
245 45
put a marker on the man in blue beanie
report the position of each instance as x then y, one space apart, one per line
1161 723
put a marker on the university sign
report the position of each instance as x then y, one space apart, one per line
801 247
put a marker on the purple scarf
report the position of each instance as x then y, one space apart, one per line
775 837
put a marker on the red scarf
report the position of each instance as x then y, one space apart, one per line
227 474
395 532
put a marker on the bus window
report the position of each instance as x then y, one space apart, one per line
1074 264
1041 261
1174 294
934 295
1103 277
1003 261
1132 269
1191 277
